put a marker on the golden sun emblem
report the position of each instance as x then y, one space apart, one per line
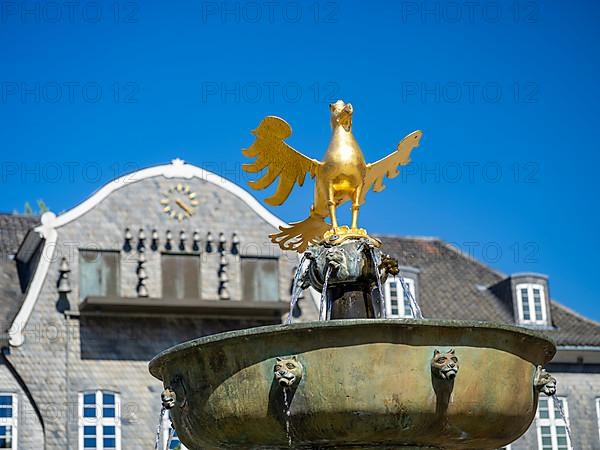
179 202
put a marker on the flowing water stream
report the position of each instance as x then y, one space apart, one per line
159 428
323 314
382 308
287 415
170 438
296 288
561 411
414 306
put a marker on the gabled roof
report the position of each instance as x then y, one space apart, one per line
455 286
50 223
13 229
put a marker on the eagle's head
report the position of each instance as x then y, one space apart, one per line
341 114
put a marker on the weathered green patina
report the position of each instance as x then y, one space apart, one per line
366 384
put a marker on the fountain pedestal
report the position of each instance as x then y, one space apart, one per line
349 276
352 301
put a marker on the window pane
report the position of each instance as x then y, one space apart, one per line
180 276
6 412
109 440
108 398
525 303
406 294
89 437
5 437
543 409
260 279
537 302
394 298
98 273
407 310
6 400
89 398
108 412
546 438
89 412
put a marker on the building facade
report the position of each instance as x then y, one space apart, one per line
173 252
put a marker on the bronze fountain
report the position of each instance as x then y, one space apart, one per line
353 379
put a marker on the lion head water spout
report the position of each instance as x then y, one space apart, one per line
288 374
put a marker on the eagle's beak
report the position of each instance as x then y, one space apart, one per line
345 117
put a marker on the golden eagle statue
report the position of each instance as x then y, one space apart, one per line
342 175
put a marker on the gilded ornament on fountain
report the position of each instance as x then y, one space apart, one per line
342 175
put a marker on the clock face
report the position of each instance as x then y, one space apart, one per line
179 202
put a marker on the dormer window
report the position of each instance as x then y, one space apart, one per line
531 303
397 300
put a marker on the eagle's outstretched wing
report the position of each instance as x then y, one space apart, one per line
388 166
280 159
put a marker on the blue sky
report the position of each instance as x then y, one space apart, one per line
505 92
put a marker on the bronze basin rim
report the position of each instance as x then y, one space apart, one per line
178 350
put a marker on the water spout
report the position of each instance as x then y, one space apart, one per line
296 288
170 438
561 411
413 305
324 312
382 308
287 415
159 428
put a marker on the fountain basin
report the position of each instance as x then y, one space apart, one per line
365 384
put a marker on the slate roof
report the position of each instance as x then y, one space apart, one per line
454 286
13 229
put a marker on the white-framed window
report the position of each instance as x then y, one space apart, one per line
8 421
551 425
99 420
598 414
397 302
175 442
531 303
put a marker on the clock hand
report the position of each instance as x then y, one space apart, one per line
184 207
